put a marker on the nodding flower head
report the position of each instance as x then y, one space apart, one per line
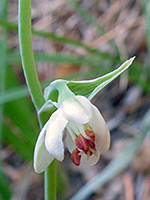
87 134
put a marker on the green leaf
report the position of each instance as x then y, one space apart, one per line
20 123
13 94
5 191
91 87
117 165
17 141
92 61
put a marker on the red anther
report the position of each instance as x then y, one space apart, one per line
82 143
76 157
91 143
90 133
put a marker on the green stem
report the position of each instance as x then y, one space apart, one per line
50 182
33 84
26 51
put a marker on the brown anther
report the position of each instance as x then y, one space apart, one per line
76 157
82 143
90 134
91 143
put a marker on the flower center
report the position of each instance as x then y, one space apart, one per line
83 145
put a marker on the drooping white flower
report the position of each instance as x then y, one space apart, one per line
87 134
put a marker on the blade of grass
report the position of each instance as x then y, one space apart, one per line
8 25
19 124
14 57
60 39
5 191
117 165
21 112
17 141
3 46
13 94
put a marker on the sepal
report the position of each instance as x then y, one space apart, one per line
47 110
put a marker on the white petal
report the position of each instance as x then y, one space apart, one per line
75 129
77 109
70 142
90 161
102 135
41 156
54 135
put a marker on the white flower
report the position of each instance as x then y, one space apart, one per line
87 134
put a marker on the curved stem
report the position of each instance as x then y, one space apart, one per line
26 51
50 182
33 84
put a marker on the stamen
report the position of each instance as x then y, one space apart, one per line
88 155
91 144
82 143
76 157
93 151
86 145
90 134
